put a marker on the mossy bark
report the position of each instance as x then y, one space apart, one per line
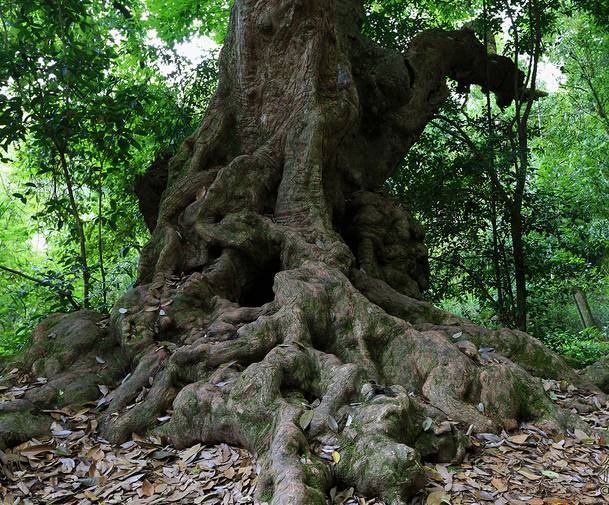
282 285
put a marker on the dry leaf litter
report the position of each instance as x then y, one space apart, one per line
76 466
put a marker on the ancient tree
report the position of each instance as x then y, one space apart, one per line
277 306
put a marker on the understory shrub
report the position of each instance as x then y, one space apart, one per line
582 348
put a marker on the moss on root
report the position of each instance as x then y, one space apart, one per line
265 496
19 426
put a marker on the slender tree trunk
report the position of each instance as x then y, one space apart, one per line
61 149
521 162
519 268
86 274
583 309
493 179
100 239
496 261
507 280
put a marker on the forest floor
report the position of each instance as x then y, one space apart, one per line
76 466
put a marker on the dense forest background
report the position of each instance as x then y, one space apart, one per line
514 201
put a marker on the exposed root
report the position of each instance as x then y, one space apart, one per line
72 354
519 347
319 366
598 374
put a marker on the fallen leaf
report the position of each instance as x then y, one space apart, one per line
147 488
190 453
581 435
437 498
332 424
305 419
529 474
427 423
499 485
550 474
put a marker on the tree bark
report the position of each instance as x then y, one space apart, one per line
276 306
519 266
583 309
82 241
100 238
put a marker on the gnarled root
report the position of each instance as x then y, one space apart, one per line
322 369
250 323
320 383
329 380
71 354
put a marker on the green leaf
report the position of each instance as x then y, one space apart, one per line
550 474
305 419
21 197
332 424
427 424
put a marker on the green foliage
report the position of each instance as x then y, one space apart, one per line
393 23
469 307
462 174
177 20
88 101
581 349
599 9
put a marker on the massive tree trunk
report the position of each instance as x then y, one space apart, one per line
277 303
